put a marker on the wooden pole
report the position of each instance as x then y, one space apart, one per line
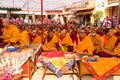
28 10
13 3
42 26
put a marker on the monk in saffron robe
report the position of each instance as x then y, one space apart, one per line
107 43
95 38
24 37
116 50
57 31
37 39
33 35
45 33
11 33
65 41
50 42
84 44
74 34
101 30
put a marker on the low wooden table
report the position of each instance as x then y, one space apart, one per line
68 72
51 64
25 60
28 69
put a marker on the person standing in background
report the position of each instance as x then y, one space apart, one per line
115 21
92 20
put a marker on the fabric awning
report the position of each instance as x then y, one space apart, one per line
66 13
84 13
26 12
36 4
3 12
113 4
53 11
80 9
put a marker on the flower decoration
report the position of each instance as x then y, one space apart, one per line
9 67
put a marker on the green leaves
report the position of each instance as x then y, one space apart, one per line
99 14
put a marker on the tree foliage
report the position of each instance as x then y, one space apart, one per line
99 14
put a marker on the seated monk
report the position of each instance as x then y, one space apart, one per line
50 42
74 33
37 39
107 43
65 41
95 38
116 50
101 30
32 35
24 37
11 33
57 31
83 45
45 32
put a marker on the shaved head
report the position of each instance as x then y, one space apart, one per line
6 22
63 32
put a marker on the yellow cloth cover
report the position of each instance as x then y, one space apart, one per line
103 65
59 62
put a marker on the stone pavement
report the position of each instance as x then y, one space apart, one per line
38 76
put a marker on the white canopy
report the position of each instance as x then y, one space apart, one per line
35 4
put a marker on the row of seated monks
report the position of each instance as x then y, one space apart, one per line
82 42
102 41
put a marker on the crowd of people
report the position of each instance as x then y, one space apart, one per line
89 40
111 22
